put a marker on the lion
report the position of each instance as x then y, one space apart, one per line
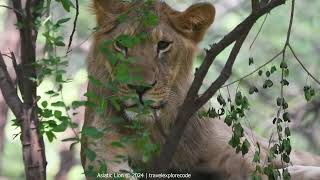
165 63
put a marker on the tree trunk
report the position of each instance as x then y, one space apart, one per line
3 120
9 41
32 142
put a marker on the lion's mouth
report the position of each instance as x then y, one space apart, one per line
131 111
159 106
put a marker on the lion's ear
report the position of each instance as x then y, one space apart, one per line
105 9
194 22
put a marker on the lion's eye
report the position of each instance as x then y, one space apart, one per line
164 46
121 48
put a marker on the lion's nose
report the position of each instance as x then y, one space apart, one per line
141 89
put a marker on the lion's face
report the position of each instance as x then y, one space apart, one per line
162 61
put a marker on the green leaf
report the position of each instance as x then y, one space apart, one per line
92 132
312 92
284 82
280 101
309 93
117 144
238 130
271 172
61 127
57 114
286 175
115 103
285 105
253 90
127 40
268 73
50 92
256 157
90 154
212 113
122 73
286 158
251 61
260 72
286 117
221 100
123 18
228 120
91 95
59 43
287 131
103 167
51 136
256 177
150 19
234 141
64 20
267 84
58 104
94 81
44 104
273 69
286 145
46 113
286 72
245 103
105 49
67 4
245 147
77 104
283 65
238 99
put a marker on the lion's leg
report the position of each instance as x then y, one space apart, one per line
304 158
221 157
106 154
298 172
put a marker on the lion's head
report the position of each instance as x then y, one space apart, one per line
164 59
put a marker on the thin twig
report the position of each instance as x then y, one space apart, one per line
256 70
260 29
74 27
13 9
305 69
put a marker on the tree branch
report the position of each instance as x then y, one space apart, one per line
216 49
192 103
8 90
255 5
74 27
225 74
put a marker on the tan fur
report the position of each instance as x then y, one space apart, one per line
204 145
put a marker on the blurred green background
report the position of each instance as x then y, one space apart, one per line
305 41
